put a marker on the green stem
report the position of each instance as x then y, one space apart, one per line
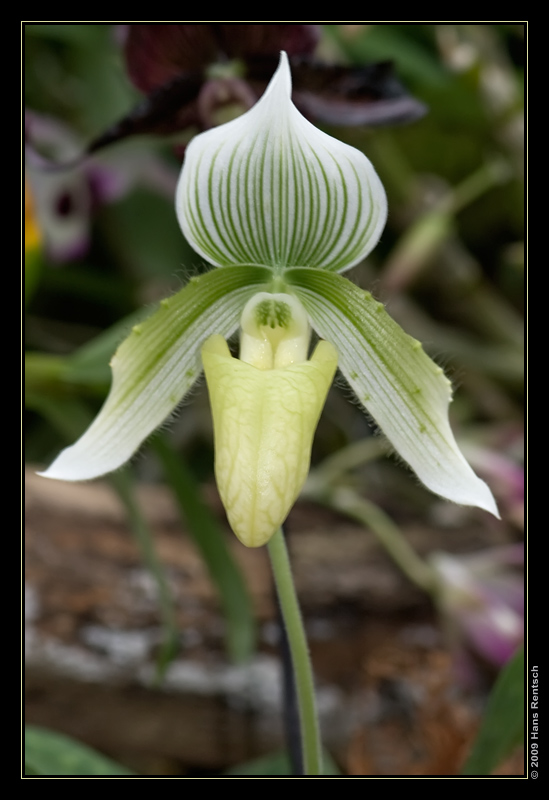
350 503
344 460
310 734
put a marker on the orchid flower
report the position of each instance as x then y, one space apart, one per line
65 198
481 598
280 209
193 74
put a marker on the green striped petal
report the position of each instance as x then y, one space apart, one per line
405 392
155 367
269 188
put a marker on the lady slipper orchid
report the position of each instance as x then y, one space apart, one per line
280 208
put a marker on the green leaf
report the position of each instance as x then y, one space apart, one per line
406 393
414 59
503 724
155 367
54 755
83 35
208 538
270 188
150 250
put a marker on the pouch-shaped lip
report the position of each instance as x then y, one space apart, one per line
264 423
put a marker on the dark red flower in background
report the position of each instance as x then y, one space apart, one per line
189 72
191 75
156 54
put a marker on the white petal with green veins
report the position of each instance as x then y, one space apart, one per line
264 423
406 393
270 188
155 367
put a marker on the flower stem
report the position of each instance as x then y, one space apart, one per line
310 735
387 532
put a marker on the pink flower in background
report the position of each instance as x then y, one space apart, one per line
65 197
481 598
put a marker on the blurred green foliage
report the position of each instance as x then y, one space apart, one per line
502 728
52 755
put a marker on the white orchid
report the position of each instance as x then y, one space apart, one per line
280 209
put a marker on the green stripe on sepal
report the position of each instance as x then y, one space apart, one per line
270 188
155 367
403 389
